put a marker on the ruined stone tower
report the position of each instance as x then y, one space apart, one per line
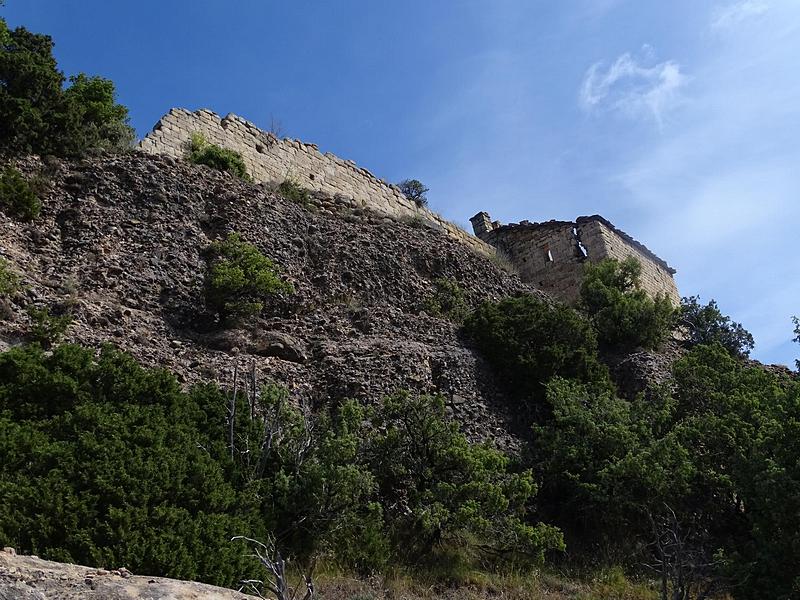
551 255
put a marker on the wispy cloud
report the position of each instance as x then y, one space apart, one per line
630 87
719 189
727 17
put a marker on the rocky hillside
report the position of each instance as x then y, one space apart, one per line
120 245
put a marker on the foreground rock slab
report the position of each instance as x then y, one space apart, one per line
31 578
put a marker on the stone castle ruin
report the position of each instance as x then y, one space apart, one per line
551 255
547 255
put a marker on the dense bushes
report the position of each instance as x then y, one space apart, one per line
17 196
528 341
623 315
107 463
710 460
717 456
437 488
201 152
38 115
239 278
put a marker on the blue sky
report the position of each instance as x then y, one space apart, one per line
678 121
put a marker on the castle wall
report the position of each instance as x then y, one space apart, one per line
603 240
551 255
269 159
547 256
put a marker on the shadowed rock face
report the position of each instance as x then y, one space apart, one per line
120 245
29 577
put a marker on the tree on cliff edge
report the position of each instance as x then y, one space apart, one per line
415 190
38 115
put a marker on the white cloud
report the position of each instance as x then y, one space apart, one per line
630 87
725 18
718 191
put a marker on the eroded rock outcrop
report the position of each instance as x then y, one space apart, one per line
31 578
120 245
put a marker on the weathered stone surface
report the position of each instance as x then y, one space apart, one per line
29 577
120 245
282 345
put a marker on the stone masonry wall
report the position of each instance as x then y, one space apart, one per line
551 255
269 159
603 240
547 256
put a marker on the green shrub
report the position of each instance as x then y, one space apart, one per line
707 325
107 463
239 278
10 282
17 196
528 341
623 315
437 489
291 190
47 329
39 115
448 300
413 221
99 122
201 152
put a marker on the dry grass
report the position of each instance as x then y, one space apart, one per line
535 585
502 260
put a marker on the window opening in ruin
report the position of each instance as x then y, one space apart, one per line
547 254
260 148
579 244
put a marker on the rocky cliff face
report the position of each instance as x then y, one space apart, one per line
120 244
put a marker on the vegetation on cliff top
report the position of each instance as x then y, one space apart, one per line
39 115
202 152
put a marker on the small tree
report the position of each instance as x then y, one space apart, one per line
38 115
438 489
291 190
239 278
529 341
448 300
47 329
415 190
623 314
706 325
796 337
278 583
9 281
